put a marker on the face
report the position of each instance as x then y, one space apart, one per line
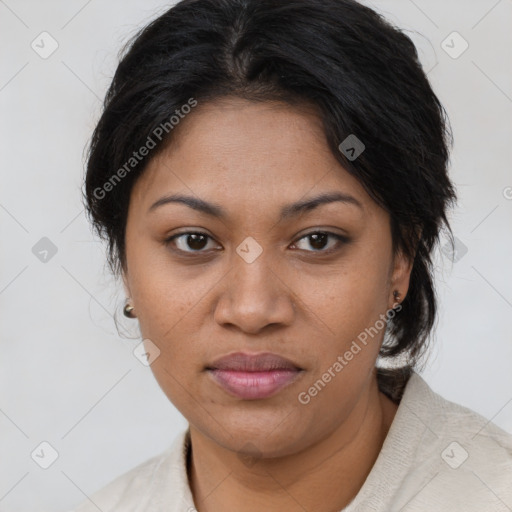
243 268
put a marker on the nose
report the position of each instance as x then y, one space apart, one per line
254 297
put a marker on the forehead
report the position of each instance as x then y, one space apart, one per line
245 153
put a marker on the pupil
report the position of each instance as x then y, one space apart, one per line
316 237
193 241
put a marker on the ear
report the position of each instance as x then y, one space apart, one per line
402 267
400 277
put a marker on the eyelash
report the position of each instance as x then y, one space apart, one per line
341 239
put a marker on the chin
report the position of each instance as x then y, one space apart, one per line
266 435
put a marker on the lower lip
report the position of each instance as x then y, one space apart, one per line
254 385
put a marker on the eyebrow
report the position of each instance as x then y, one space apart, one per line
290 210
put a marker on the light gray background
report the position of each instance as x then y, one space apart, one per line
68 378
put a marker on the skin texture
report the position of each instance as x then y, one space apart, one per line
293 300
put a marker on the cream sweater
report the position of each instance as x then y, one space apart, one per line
437 456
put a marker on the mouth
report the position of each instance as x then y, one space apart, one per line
253 376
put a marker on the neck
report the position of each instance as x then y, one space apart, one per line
220 481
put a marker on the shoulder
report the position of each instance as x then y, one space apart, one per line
445 419
138 488
126 490
461 459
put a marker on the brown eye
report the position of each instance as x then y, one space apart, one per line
189 242
319 240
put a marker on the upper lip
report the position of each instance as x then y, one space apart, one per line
240 361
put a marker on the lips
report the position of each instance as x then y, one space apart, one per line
253 376
253 363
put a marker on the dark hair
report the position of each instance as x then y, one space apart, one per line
361 73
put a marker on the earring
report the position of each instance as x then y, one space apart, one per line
128 310
396 295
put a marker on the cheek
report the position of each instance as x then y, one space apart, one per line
166 295
346 311
350 300
171 309
171 314
348 339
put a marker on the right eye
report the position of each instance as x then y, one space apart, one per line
189 242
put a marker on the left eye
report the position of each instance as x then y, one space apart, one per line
319 240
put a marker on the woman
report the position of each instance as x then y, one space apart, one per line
271 179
